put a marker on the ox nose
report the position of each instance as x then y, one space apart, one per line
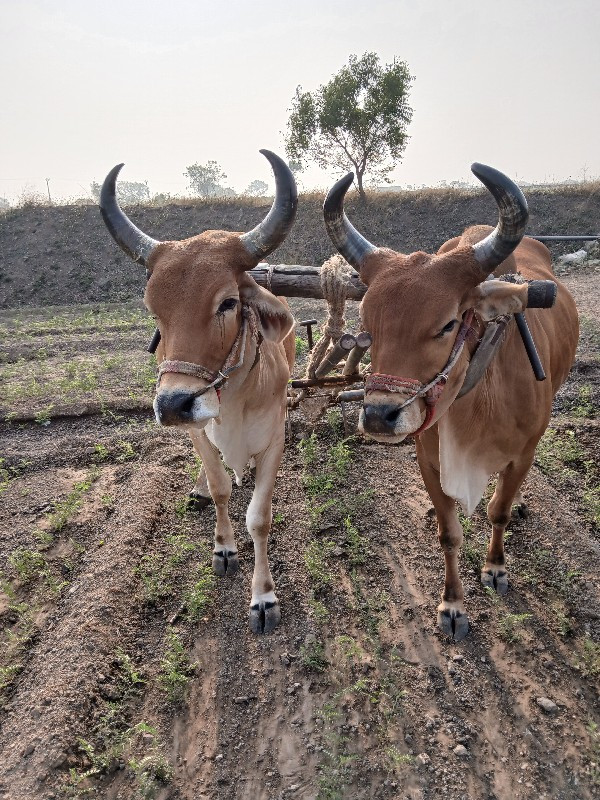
173 408
380 419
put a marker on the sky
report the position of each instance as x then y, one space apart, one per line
161 85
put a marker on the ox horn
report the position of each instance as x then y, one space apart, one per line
514 214
347 240
271 232
132 240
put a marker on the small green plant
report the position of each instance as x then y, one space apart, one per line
278 518
199 596
589 659
357 545
29 565
318 610
100 452
591 504
312 656
308 449
67 508
584 405
396 760
44 415
126 453
301 346
555 450
175 668
316 558
511 626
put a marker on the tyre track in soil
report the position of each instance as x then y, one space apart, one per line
55 695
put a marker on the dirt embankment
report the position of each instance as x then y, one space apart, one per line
64 254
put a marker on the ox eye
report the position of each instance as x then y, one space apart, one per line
446 329
227 305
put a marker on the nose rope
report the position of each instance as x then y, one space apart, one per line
217 379
430 392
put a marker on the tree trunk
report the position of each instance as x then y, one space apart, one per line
359 181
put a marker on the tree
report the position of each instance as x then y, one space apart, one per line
130 193
356 121
205 179
257 189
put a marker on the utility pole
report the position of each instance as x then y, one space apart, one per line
48 187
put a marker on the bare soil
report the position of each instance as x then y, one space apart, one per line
357 694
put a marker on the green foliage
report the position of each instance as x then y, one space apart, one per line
584 405
308 449
312 656
67 508
205 180
29 565
175 668
357 120
257 188
129 193
301 346
317 556
511 626
198 598
588 660
557 449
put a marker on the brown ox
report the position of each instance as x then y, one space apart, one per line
225 354
419 308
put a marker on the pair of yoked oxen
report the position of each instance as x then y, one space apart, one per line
227 349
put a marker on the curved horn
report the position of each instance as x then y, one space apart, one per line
514 214
347 240
271 232
131 239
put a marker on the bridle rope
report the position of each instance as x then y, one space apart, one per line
430 392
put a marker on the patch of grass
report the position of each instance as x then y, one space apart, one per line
301 346
198 598
312 656
397 761
100 452
67 508
357 545
175 668
584 405
318 610
307 448
126 452
557 449
588 660
317 556
511 626
591 504
29 565
44 415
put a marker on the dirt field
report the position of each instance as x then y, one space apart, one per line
128 671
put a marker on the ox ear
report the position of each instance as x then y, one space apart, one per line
492 299
276 320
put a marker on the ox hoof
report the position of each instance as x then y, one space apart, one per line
264 616
197 501
225 562
495 578
519 511
453 623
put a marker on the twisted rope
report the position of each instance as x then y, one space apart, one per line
335 274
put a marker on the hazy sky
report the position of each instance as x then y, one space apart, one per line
161 85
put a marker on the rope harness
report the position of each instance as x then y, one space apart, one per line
430 392
334 274
219 378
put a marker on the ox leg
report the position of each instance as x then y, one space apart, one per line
452 618
225 558
493 574
265 613
200 497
